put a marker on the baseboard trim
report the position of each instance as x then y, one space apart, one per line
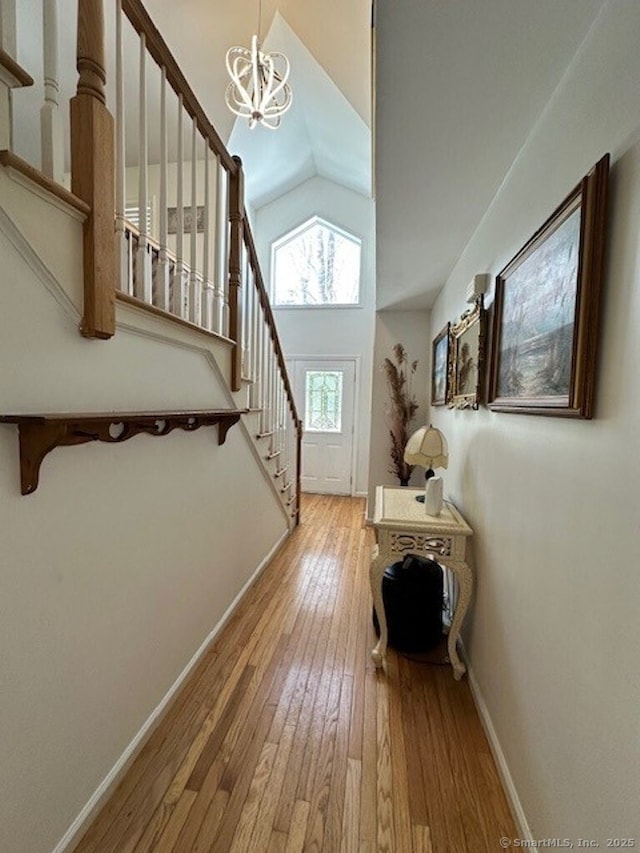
501 762
80 825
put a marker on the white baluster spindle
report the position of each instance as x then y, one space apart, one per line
263 378
282 404
143 282
208 293
276 422
161 273
259 355
246 312
221 249
273 400
267 383
50 118
253 399
177 288
195 284
123 240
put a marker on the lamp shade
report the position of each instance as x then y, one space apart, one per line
427 447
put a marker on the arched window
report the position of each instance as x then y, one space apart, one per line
316 264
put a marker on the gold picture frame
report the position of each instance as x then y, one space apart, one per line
440 370
468 342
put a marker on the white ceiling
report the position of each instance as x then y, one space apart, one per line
459 87
321 134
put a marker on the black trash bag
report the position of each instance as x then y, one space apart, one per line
413 596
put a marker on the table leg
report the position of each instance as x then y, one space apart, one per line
465 581
376 572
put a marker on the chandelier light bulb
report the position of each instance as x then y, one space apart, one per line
258 89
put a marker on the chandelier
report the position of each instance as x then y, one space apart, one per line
258 89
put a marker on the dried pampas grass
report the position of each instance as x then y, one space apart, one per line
401 409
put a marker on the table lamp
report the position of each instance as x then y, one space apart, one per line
428 448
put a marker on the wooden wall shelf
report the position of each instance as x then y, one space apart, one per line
40 434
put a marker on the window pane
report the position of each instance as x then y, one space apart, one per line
323 397
317 266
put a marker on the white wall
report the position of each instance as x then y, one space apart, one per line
328 331
126 557
410 328
552 637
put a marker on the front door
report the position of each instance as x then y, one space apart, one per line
325 394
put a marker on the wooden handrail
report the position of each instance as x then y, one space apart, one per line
17 72
157 47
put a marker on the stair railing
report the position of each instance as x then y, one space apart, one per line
181 174
264 366
209 274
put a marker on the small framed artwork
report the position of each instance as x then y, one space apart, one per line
467 358
440 368
187 224
545 329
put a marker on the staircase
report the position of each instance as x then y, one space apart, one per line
166 243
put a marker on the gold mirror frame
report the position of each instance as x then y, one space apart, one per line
466 365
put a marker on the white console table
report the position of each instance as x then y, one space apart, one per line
403 527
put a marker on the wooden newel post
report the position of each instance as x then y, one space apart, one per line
92 172
236 229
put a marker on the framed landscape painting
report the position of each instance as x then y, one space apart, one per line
543 355
440 368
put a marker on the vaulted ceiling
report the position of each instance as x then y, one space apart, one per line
321 134
460 86
326 132
335 32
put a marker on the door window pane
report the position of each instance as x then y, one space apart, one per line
323 400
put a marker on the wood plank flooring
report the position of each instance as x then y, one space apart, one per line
287 740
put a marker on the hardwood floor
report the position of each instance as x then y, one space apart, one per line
286 739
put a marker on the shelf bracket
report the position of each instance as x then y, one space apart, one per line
40 434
